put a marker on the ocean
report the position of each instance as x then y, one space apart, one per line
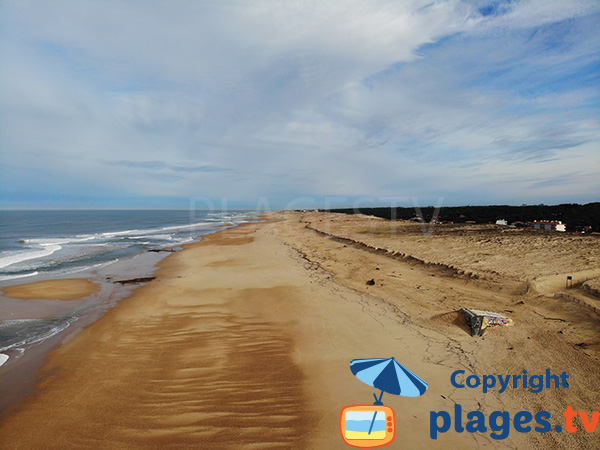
64 242
41 245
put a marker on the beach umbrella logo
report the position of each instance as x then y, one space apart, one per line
370 426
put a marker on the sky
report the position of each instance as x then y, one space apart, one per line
298 104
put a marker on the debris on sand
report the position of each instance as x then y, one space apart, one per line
479 320
134 280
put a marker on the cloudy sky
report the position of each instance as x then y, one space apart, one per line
298 103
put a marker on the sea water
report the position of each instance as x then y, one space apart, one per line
36 245
62 242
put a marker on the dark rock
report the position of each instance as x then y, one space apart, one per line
158 250
135 280
371 282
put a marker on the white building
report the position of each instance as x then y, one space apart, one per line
555 225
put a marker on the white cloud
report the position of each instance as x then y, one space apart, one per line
285 98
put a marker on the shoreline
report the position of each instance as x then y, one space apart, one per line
21 371
269 354
87 294
253 328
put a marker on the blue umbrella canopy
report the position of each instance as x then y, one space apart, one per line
389 376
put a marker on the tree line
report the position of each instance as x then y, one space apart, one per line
576 216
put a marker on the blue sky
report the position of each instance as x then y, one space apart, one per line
299 103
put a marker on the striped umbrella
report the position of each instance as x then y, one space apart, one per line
389 376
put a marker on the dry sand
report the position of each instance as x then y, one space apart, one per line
66 289
244 341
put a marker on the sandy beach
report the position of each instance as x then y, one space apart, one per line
244 340
67 289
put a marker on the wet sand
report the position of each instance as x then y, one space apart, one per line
188 361
244 340
65 289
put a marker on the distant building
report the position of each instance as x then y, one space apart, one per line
549 225
501 222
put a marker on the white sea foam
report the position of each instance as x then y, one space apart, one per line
12 277
82 245
17 257
164 237
60 241
151 231
36 338
137 233
3 358
112 234
84 268
185 227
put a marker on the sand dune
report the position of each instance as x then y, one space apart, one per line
485 250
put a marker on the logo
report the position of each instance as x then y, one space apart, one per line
372 426
500 423
367 426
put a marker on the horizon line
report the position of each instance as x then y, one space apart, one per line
134 208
